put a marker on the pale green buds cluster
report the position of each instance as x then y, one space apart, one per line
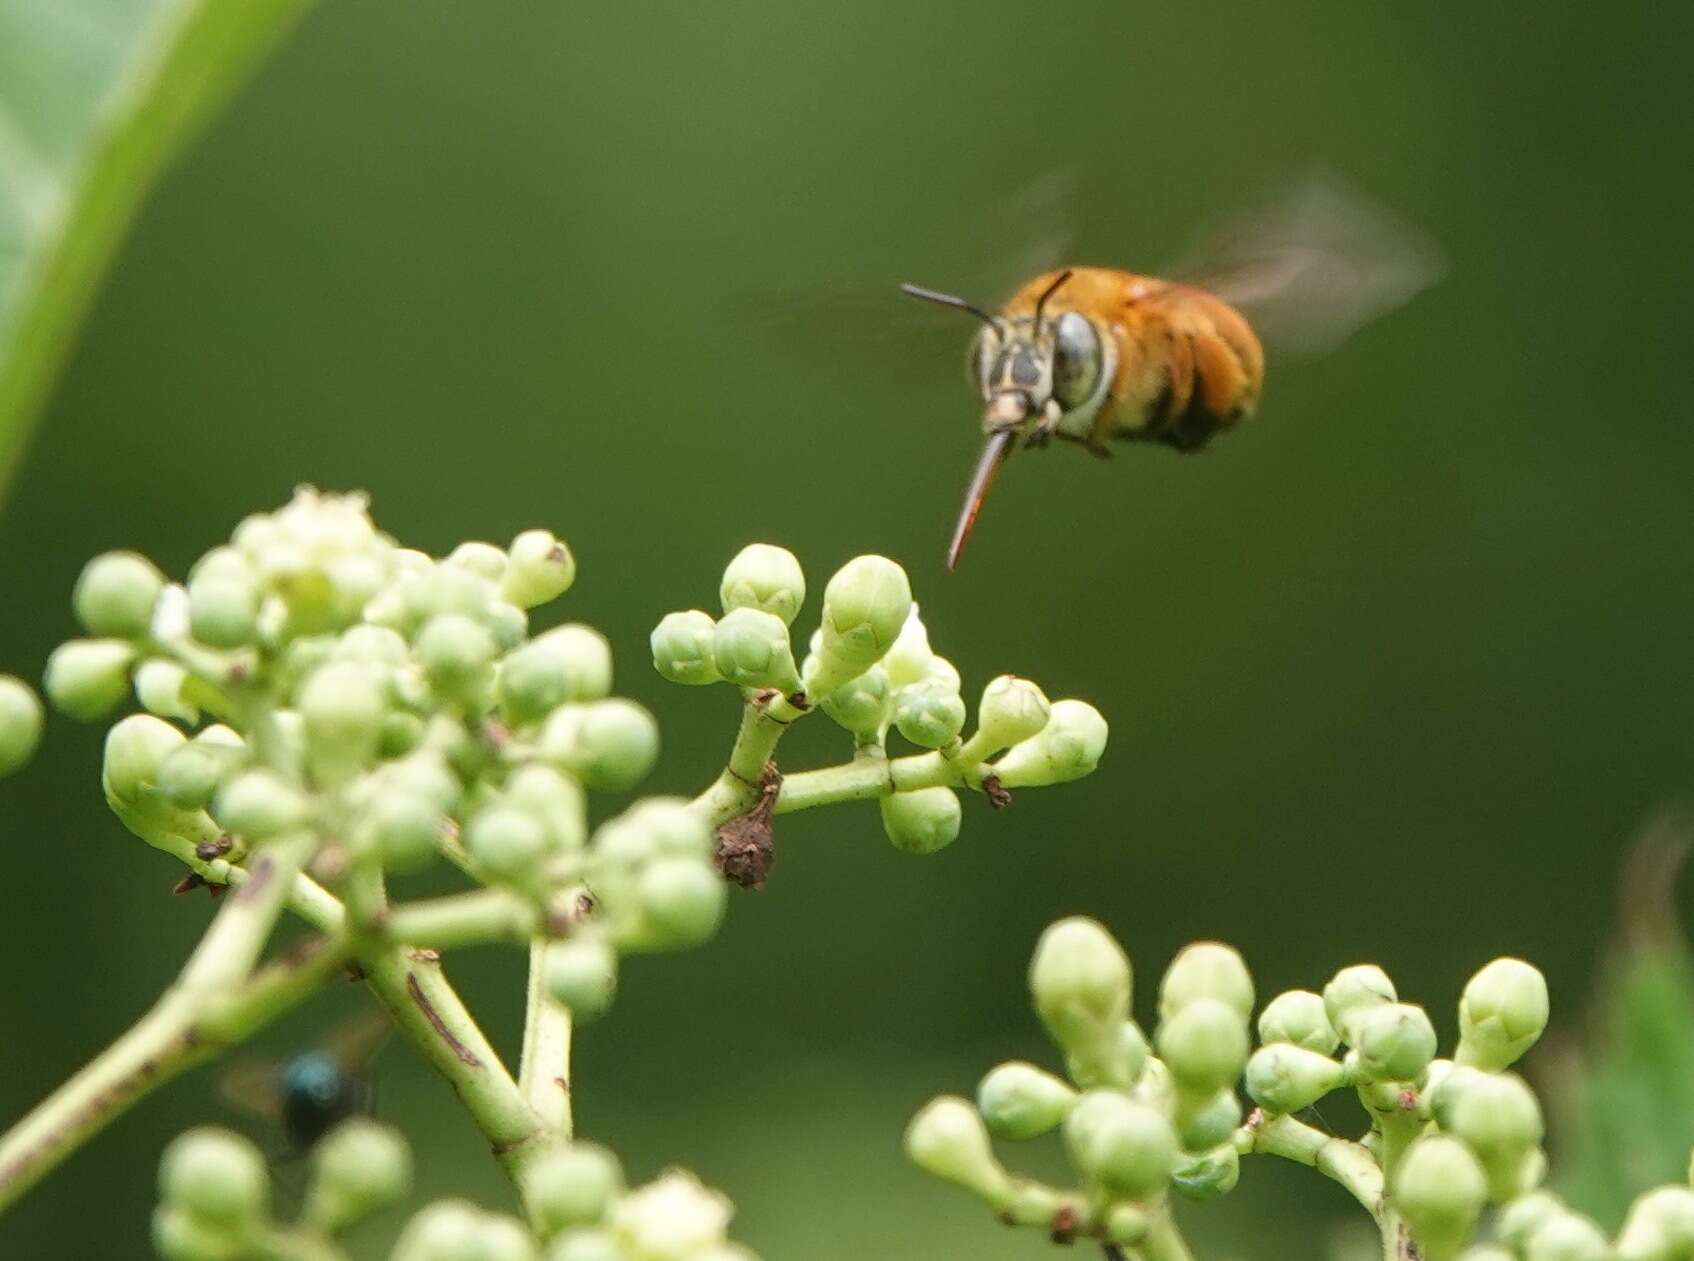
358 1168
579 1199
457 1230
20 723
870 667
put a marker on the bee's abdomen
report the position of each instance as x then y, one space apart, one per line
1190 367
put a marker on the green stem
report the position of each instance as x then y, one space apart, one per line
1164 1242
186 1026
463 919
544 1072
764 719
1340 1159
862 780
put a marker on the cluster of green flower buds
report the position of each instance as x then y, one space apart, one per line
314 678
1139 1117
215 1193
583 1212
870 667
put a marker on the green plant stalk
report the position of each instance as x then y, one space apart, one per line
1164 1241
463 919
544 1069
214 47
872 777
1340 1159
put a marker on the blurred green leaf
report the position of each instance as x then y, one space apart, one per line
1627 1100
95 97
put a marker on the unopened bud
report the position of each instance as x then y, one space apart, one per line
929 714
116 593
864 607
1498 1117
539 568
1395 1041
483 559
1011 711
216 1176
136 748
1125 1147
1067 748
671 1217
948 1139
1210 1123
682 648
359 1167
1502 1013
160 686
582 973
20 723
750 648
1204 1043
909 660
1298 1017
1080 979
573 1186
921 821
258 804
1568 1237
343 706
1284 1077
682 901
1206 969
457 652
508 844
766 578
86 677
1440 1190
861 706
1659 1227
223 606
1209 1176
609 745
1021 1101
1352 992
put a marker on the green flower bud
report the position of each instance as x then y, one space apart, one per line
136 747
751 649
921 821
539 568
1069 747
20 723
191 772
483 559
929 715
159 686
1524 1216
448 1230
587 1245
358 1168
682 901
342 705
1206 969
672 1218
1440 1189
1502 1013
1352 992
223 607
215 1176
1204 1044
1113 1058
403 828
609 745
257 804
1298 1017
948 1139
586 657
458 655
861 706
1011 711
1125 1147
1211 1123
1286 1077
573 1186
440 589
766 578
1080 979
1498 1117
354 582
864 608
508 624
1395 1041
87 677
532 681
508 844
503 1238
909 660
1021 1101
682 648
582 973
401 733
652 828
116 593
1126 1223
1209 1176
180 1236
555 800
1659 1227
1568 1237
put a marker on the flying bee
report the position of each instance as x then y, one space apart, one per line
1095 355
312 1091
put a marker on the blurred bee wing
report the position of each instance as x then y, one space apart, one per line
1029 231
1315 264
254 1086
355 1041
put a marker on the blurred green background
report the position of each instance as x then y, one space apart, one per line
1393 673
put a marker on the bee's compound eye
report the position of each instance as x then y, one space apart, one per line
984 347
1076 360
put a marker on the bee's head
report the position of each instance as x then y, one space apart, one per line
1030 370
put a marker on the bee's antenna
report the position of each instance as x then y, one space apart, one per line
1050 291
948 299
